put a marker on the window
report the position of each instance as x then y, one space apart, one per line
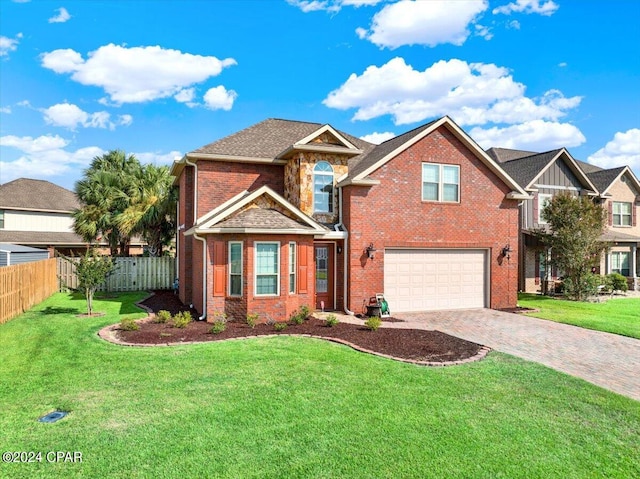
620 262
235 268
267 269
543 200
621 214
292 268
440 183
1 219
323 188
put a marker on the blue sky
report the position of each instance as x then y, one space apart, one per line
161 78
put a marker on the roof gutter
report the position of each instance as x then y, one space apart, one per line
204 276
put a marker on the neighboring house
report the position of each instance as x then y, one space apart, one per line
38 213
12 254
284 214
544 175
620 195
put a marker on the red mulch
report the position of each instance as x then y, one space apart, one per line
412 344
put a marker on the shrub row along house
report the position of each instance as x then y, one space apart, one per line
285 213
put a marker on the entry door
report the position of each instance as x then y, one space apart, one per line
323 254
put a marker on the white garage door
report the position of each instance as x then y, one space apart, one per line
434 279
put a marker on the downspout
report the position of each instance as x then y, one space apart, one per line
204 240
204 276
345 252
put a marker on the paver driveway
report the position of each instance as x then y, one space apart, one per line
608 360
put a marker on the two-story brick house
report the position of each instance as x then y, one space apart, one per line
285 213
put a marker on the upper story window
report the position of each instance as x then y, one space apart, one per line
1 219
543 201
323 188
621 214
440 183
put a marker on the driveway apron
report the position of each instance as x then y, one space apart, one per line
607 360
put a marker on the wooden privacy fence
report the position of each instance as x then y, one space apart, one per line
24 285
130 274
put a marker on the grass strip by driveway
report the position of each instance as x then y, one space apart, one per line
292 407
618 316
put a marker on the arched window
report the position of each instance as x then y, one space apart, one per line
323 188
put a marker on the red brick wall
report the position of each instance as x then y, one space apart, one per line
392 214
185 243
220 181
279 308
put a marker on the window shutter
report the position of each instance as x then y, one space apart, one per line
219 268
610 213
535 209
303 268
634 214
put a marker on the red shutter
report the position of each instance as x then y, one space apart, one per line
303 268
219 265
610 213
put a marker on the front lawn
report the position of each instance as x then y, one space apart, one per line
619 316
292 407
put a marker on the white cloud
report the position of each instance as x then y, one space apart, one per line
158 158
5 109
71 116
43 157
331 6
429 23
528 6
484 32
623 150
514 24
137 74
471 93
536 135
61 17
562 64
377 138
219 98
185 96
9 44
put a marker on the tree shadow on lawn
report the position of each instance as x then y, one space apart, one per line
55 310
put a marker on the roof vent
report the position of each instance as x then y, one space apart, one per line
53 416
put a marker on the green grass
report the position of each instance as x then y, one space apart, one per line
618 316
292 407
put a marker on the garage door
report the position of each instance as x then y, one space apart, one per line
434 279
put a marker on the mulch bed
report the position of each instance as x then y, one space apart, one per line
406 344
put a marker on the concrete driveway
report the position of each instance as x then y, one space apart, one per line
607 360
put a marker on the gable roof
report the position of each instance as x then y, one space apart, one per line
527 169
37 195
391 148
267 220
506 154
604 179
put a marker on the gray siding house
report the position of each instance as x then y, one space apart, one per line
12 254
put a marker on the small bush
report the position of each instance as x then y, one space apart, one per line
297 318
129 325
305 311
332 320
218 327
252 320
618 282
373 323
280 326
162 316
181 320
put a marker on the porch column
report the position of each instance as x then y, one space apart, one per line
607 261
633 267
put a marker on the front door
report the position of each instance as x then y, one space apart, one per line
323 254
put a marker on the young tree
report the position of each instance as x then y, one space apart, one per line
575 225
92 270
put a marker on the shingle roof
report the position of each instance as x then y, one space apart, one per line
41 237
524 170
616 236
602 179
588 167
263 218
502 155
268 139
369 159
25 193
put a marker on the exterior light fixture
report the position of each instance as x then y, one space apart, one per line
506 251
370 251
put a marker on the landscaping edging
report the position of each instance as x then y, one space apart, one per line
108 334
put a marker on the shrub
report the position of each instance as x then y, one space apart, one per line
280 326
618 282
587 286
181 320
298 318
252 319
332 320
219 316
162 316
304 311
218 327
129 325
373 323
